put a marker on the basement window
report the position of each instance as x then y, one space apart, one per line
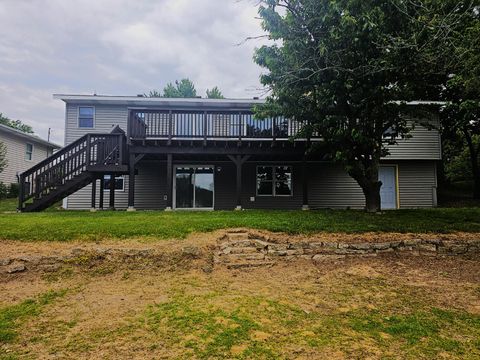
119 183
86 116
274 181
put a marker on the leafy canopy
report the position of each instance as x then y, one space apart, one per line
184 88
214 93
15 124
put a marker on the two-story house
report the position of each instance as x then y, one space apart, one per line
23 151
133 152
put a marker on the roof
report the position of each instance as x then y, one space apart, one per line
139 101
30 137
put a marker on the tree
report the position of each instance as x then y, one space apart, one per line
184 88
15 124
461 91
343 68
3 156
214 93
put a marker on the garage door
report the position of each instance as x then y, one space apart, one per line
388 191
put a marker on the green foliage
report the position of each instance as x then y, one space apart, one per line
13 190
3 156
15 124
214 93
78 225
184 88
3 191
342 68
12 316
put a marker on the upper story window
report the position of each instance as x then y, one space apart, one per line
274 181
29 152
86 115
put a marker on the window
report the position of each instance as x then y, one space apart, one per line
119 183
85 116
274 180
29 152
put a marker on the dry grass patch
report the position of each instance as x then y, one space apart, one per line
384 307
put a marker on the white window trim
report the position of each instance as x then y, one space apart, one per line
117 190
273 181
33 147
78 117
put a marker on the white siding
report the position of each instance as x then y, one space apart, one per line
17 163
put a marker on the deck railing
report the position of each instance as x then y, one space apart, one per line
170 124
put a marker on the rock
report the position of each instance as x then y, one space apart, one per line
16 268
191 251
5 262
360 246
294 252
237 236
243 250
321 258
277 247
51 267
78 252
381 246
277 252
427 247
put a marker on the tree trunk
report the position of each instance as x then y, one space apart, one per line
366 175
473 150
372 197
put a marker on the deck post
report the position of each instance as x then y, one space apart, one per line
238 160
305 185
111 204
94 195
102 186
131 182
169 182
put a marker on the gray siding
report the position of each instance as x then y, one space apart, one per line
424 144
16 147
331 187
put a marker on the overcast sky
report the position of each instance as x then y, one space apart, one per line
120 47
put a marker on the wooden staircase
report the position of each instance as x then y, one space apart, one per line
72 168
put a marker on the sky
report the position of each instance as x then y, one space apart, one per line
121 47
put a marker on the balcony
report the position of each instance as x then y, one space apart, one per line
208 125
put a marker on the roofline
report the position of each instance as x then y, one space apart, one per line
154 100
30 137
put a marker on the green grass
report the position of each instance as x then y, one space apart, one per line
76 225
8 205
12 316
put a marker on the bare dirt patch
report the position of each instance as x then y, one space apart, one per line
353 307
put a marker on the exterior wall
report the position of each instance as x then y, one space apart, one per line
17 163
331 187
424 144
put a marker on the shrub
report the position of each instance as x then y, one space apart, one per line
13 190
3 191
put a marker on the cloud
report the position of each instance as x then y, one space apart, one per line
121 47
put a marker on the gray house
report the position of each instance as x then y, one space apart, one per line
160 153
23 151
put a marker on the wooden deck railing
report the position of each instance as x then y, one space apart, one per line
70 161
165 124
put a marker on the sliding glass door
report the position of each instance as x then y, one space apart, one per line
194 187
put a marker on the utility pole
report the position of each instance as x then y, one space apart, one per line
48 137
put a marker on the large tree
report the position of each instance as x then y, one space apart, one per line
184 88
461 89
15 124
340 67
214 93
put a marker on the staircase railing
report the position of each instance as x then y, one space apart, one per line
69 162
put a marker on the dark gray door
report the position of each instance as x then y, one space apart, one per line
194 187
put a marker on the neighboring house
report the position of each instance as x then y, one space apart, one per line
210 154
23 151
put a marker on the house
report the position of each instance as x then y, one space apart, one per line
133 152
23 151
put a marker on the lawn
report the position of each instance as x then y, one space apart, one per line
82 225
352 309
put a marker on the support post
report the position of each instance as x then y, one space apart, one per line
102 186
94 195
238 160
169 182
131 183
305 186
111 204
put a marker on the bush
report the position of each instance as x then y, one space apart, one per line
3 191
13 190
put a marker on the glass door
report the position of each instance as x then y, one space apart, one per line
194 187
